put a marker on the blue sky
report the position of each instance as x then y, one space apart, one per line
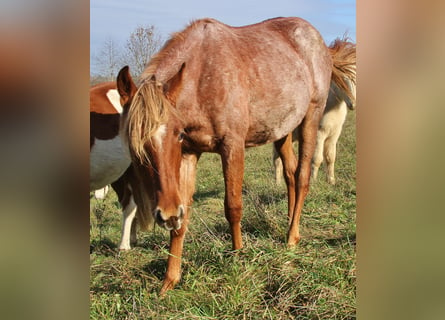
116 19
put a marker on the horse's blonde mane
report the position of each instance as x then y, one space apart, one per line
344 58
147 112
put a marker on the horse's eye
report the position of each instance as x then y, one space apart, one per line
181 137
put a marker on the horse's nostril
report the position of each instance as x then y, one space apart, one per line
181 212
158 215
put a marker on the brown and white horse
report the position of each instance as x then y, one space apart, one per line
109 156
217 88
331 123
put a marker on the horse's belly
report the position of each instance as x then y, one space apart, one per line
278 110
274 123
108 161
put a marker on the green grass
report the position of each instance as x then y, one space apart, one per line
316 280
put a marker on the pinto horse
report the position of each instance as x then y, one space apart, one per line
217 88
331 123
109 156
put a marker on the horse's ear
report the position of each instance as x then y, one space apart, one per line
125 84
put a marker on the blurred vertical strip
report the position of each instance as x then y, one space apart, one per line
44 82
400 160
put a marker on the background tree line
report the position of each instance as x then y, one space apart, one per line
141 44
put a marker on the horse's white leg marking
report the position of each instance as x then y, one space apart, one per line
128 215
115 99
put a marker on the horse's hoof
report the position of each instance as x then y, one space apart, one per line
292 242
167 285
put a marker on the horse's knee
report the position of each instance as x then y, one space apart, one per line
233 214
330 158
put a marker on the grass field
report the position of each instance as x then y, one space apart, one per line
316 280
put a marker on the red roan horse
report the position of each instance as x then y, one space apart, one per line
217 88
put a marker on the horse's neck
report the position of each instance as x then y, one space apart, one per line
177 51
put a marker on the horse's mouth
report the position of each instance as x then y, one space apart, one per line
171 223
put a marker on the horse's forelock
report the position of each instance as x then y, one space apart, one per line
147 112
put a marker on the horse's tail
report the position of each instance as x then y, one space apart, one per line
343 55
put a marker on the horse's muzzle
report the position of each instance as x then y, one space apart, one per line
173 222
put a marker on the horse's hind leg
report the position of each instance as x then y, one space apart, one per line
330 149
278 166
306 147
330 153
317 159
286 153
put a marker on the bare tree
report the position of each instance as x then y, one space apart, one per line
109 60
143 42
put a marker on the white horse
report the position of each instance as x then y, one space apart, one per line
109 156
328 132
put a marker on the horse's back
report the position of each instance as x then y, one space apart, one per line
291 68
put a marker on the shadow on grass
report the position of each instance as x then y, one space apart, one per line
209 194
346 239
104 247
156 268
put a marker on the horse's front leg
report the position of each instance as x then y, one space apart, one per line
232 157
173 274
187 188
